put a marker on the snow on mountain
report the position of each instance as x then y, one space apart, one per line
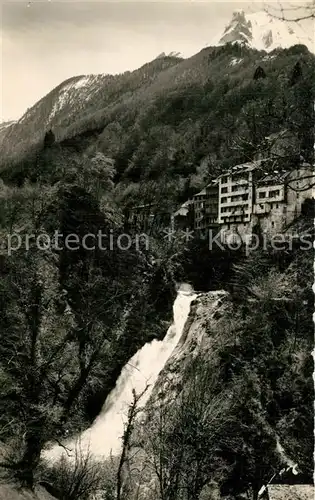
74 92
5 125
261 31
64 103
82 88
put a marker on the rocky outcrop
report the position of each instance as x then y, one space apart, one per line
9 492
206 310
200 335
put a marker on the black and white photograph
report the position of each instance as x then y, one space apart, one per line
157 210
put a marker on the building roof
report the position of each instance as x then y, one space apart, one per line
291 492
187 203
147 205
244 167
184 208
213 183
277 177
181 211
203 192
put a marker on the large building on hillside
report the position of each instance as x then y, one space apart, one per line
265 201
252 196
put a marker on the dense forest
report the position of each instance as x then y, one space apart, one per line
70 320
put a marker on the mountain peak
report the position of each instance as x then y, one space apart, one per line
238 13
262 31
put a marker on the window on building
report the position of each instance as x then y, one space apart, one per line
224 189
262 194
274 193
240 186
238 176
272 224
277 205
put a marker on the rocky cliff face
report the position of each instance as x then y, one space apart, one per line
9 492
199 338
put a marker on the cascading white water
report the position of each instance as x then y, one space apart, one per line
104 436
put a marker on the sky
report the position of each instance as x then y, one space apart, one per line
50 41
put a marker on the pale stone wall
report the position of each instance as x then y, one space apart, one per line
302 180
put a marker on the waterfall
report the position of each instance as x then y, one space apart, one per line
104 436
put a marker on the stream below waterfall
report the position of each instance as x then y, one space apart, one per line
104 436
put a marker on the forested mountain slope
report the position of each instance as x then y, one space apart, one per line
173 115
76 96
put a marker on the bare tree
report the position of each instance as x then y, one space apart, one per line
292 12
133 412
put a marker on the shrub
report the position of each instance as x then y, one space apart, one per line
75 478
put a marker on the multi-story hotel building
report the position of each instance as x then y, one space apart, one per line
236 194
252 195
